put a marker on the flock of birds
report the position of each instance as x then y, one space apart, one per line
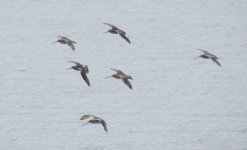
118 74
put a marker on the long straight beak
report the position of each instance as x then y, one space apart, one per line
54 42
105 32
84 123
69 68
197 57
108 77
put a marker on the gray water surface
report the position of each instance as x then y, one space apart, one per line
177 102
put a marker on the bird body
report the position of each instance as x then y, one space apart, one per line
83 70
65 40
208 55
116 30
94 120
118 74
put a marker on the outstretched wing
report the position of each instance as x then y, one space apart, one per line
215 60
63 37
207 53
125 37
104 125
204 51
85 117
67 39
76 63
117 71
84 76
112 26
126 81
71 45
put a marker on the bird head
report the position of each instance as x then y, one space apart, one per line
129 77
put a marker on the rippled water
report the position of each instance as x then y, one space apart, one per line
177 102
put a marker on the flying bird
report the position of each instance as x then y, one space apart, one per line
83 69
95 120
116 30
118 74
65 40
207 55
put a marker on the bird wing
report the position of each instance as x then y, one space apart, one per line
126 81
85 117
66 38
104 125
207 53
112 26
117 71
84 76
76 63
210 55
122 34
63 37
215 60
71 45
204 51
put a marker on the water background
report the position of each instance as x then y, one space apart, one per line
177 102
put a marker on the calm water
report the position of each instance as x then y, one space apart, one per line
178 102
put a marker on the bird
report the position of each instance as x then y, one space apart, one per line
65 40
116 30
207 55
95 120
118 74
83 69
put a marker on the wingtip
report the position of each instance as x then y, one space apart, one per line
88 84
